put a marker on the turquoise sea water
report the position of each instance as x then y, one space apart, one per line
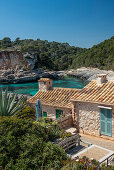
32 88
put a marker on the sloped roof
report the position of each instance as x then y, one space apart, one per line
56 97
95 93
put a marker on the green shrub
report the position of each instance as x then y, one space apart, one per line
51 128
27 113
65 134
26 145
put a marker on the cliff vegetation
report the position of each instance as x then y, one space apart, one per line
62 56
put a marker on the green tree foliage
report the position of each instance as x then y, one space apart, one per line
8 104
26 145
62 56
5 42
101 56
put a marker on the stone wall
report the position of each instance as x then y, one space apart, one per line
51 110
65 122
88 118
44 86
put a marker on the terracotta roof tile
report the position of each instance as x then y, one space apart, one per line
93 92
62 97
56 97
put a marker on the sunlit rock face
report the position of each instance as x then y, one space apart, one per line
15 60
10 59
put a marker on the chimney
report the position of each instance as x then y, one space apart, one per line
45 84
101 79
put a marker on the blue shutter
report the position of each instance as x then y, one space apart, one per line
109 122
102 121
106 122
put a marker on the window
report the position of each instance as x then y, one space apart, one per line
44 114
58 113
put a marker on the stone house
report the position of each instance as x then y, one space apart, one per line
55 101
92 107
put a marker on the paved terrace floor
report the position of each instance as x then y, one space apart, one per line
100 149
105 143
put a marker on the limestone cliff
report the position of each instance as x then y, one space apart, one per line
15 60
16 67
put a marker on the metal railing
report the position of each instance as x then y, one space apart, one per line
107 160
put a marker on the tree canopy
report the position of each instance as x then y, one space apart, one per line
27 145
62 56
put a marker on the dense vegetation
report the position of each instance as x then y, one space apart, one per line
27 145
60 56
100 56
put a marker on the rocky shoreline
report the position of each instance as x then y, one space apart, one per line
20 76
10 76
13 66
88 74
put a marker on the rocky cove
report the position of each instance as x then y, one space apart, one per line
88 74
10 76
16 67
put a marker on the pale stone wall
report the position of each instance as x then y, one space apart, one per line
88 118
44 86
51 110
65 122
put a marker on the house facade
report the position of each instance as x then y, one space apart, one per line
92 107
55 101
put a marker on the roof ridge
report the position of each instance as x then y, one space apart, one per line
65 88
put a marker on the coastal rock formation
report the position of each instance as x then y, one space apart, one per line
88 74
16 67
26 76
15 60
